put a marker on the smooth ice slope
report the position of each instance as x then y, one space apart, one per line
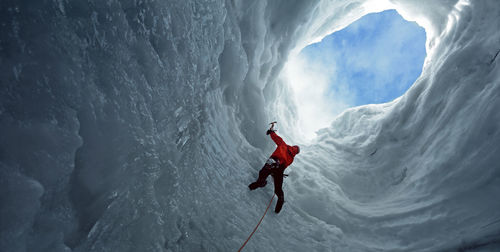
136 126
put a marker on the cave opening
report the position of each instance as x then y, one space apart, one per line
373 60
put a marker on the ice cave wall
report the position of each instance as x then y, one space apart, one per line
135 126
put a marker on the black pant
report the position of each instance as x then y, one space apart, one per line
277 173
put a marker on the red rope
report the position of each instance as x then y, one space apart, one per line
255 229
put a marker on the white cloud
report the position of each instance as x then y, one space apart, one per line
317 103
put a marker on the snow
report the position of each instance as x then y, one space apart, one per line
137 125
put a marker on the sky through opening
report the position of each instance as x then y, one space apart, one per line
373 60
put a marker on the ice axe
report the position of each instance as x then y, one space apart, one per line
272 125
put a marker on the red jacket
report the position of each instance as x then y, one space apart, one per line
284 153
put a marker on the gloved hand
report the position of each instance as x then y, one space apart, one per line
269 131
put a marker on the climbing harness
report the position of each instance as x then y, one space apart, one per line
273 162
255 229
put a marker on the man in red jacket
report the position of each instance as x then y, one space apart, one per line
281 158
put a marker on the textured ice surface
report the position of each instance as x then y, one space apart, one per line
136 126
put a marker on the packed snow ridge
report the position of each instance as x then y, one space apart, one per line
137 126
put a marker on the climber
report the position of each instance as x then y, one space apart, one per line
281 158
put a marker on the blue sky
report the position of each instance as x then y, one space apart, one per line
373 60
377 57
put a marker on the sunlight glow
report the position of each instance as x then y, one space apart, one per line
317 107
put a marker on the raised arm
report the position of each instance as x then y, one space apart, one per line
277 139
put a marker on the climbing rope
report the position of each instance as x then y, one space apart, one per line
255 229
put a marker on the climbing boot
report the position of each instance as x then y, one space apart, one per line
279 205
256 185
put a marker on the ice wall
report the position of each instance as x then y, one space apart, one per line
136 126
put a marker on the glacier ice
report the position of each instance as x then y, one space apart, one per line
136 126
